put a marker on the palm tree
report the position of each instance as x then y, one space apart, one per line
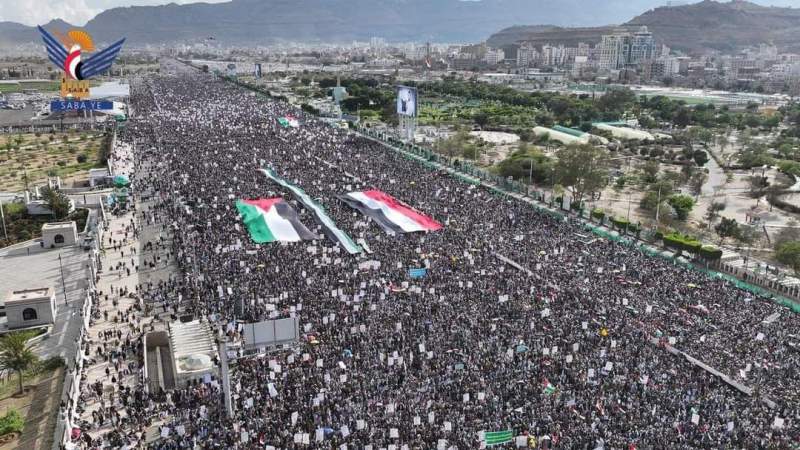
16 354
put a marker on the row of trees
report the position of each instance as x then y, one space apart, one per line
582 169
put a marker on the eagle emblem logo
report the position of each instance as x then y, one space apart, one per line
67 52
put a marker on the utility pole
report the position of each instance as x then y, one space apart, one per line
226 379
63 283
628 217
530 173
3 217
658 205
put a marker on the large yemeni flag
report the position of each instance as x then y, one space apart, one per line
272 219
391 214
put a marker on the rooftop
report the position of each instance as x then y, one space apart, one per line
191 341
57 225
28 294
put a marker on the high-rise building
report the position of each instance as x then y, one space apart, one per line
527 55
611 53
641 47
623 49
494 56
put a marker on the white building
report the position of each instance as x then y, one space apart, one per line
527 56
59 234
622 48
494 56
626 133
30 308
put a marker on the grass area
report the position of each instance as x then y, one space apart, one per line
37 409
64 154
41 86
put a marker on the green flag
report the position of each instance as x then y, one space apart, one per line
498 437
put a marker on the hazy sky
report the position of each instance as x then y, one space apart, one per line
78 12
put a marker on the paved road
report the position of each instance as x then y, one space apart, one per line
20 269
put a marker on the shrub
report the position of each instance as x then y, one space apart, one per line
81 158
620 224
682 204
710 252
53 363
12 422
680 242
598 214
62 163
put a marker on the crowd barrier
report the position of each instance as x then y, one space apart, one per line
760 286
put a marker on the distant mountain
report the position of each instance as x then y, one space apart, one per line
15 33
702 26
270 21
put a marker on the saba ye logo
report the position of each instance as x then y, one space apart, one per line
67 52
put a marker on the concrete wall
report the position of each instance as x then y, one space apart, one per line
45 313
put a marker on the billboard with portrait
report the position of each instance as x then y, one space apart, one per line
407 101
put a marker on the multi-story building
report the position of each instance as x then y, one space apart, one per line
640 47
494 56
661 68
527 55
623 49
611 54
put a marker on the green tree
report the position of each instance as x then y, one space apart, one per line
682 204
650 171
481 119
788 234
696 183
581 168
16 354
526 165
726 228
714 209
682 118
789 254
56 201
700 157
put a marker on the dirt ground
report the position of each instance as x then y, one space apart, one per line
38 155
39 406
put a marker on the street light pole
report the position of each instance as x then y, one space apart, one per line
63 283
658 205
3 217
530 173
628 218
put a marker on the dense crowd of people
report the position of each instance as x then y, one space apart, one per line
588 350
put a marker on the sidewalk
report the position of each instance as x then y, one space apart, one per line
119 320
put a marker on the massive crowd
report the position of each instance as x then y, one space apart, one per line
574 355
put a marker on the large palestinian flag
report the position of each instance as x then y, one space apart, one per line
272 219
328 226
288 121
391 214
